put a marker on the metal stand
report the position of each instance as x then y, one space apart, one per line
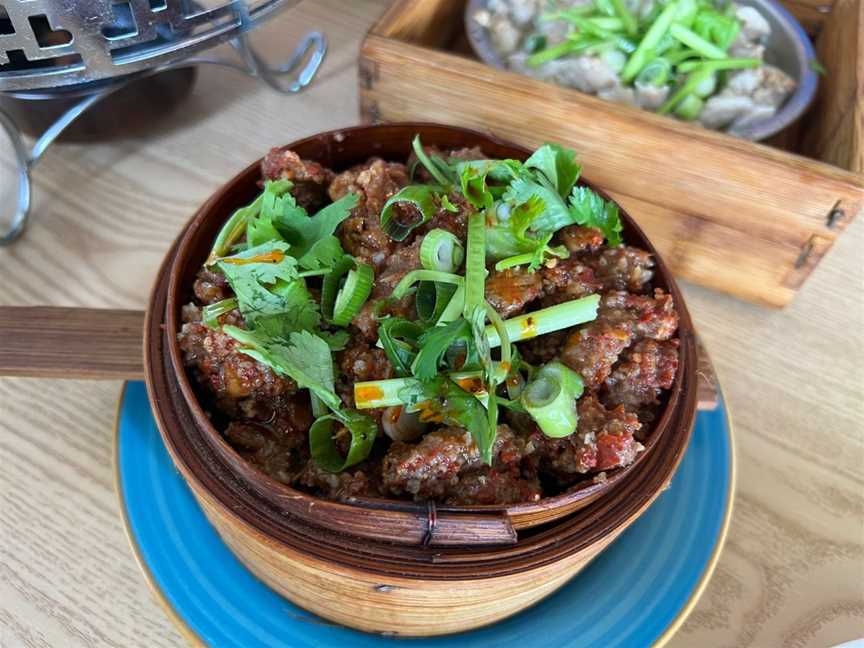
288 78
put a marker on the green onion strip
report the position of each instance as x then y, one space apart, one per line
210 314
546 320
550 399
441 250
340 302
323 446
408 281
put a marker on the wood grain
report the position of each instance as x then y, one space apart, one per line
70 343
767 207
837 131
791 572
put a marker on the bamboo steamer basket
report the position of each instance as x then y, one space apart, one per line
397 567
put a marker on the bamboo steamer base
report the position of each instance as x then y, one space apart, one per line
394 606
374 581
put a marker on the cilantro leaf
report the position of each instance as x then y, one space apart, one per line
303 231
476 178
443 400
254 273
591 210
553 211
304 357
324 253
558 164
299 311
336 340
433 344
474 188
259 227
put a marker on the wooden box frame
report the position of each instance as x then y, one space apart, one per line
749 219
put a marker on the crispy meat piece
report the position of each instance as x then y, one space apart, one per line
361 362
647 317
508 291
543 349
647 368
623 318
603 440
578 239
230 375
374 182
491 486
357 481
310 178
211 287
431 469
274 438
623 268
397 265
592 350
567 279
454 222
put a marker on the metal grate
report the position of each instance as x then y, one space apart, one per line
60 43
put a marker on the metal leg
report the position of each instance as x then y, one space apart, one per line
284 78
29 159
313 47
19 218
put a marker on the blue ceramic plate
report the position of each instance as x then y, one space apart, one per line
636 593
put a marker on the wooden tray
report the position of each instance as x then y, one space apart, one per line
744 218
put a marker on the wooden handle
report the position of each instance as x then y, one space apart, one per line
76 343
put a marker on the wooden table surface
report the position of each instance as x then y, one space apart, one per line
792 571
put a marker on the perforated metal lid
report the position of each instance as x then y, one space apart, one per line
63 43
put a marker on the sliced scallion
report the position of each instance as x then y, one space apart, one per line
454 307
694 80
235 226
724 64
381 393
694 41
513 261
441 250
436 167
690 107
628 20
656 73
475 264
410 207
345 289
211 313
432 299
397 338
408 281
644 51
550 399
323 446
546 320
395 391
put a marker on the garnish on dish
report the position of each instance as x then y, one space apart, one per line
457 328
695 59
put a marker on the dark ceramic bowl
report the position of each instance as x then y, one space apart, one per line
788 48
